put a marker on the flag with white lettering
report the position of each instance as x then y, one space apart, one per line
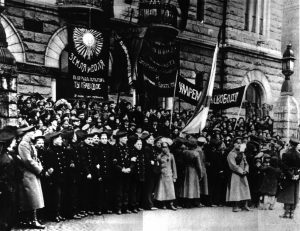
228 98
187 91
88 62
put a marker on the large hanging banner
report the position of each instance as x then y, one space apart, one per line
221 99
88 62
158 65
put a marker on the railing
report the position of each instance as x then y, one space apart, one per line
92 3
158 13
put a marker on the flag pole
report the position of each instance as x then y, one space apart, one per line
174 93
240 108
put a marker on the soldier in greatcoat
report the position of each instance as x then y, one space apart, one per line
165 191
238 188
289 194
193 173
31 195
56 167
122 168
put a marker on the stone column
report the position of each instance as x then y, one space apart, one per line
8 95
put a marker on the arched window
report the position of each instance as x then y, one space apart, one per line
253 94
63 80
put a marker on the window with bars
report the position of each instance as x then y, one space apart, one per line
256 13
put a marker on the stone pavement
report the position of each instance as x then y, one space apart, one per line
199 219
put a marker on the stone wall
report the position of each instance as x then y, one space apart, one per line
35 25
244 51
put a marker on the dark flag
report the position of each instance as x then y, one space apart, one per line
228 98
158 65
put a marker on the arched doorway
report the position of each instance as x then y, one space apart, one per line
254 100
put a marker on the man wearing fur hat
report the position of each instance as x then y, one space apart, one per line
289 194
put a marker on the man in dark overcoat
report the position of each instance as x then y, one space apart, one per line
289 194
105 156
122 168
56 168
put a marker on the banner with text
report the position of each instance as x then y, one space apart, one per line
158 65
227 98
88 62
188 92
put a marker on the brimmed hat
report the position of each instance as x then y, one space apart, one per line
145 135
202 140
67 133
120 134
22 131
237 138
294 140
166 140
50 136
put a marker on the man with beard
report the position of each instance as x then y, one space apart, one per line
90 175
122 168
152 170
56 165
31 195
39 143
105 173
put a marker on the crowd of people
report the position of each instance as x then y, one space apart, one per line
69 160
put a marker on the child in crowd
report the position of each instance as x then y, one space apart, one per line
268 188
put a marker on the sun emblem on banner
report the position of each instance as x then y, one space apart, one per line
88 42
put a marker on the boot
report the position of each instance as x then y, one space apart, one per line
246 207
172 207
34 223
286 214
236 207
291 214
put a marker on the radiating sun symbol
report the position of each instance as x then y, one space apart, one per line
88 42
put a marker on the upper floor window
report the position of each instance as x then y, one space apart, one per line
256 16
200 10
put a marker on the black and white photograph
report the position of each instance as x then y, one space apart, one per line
149 115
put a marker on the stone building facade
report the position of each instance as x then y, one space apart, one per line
250 52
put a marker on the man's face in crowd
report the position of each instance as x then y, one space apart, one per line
96 139
88 141
138 145
103 139
40 143
66 124
76 123
31 135
237 144
81 116
150 140
123 140
54 124
57 141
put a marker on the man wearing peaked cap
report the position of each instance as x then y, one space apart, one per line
121 176
145 135
289 195
31 195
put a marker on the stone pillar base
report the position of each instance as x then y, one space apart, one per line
286 116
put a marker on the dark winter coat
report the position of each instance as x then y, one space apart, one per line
289 194
269 184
